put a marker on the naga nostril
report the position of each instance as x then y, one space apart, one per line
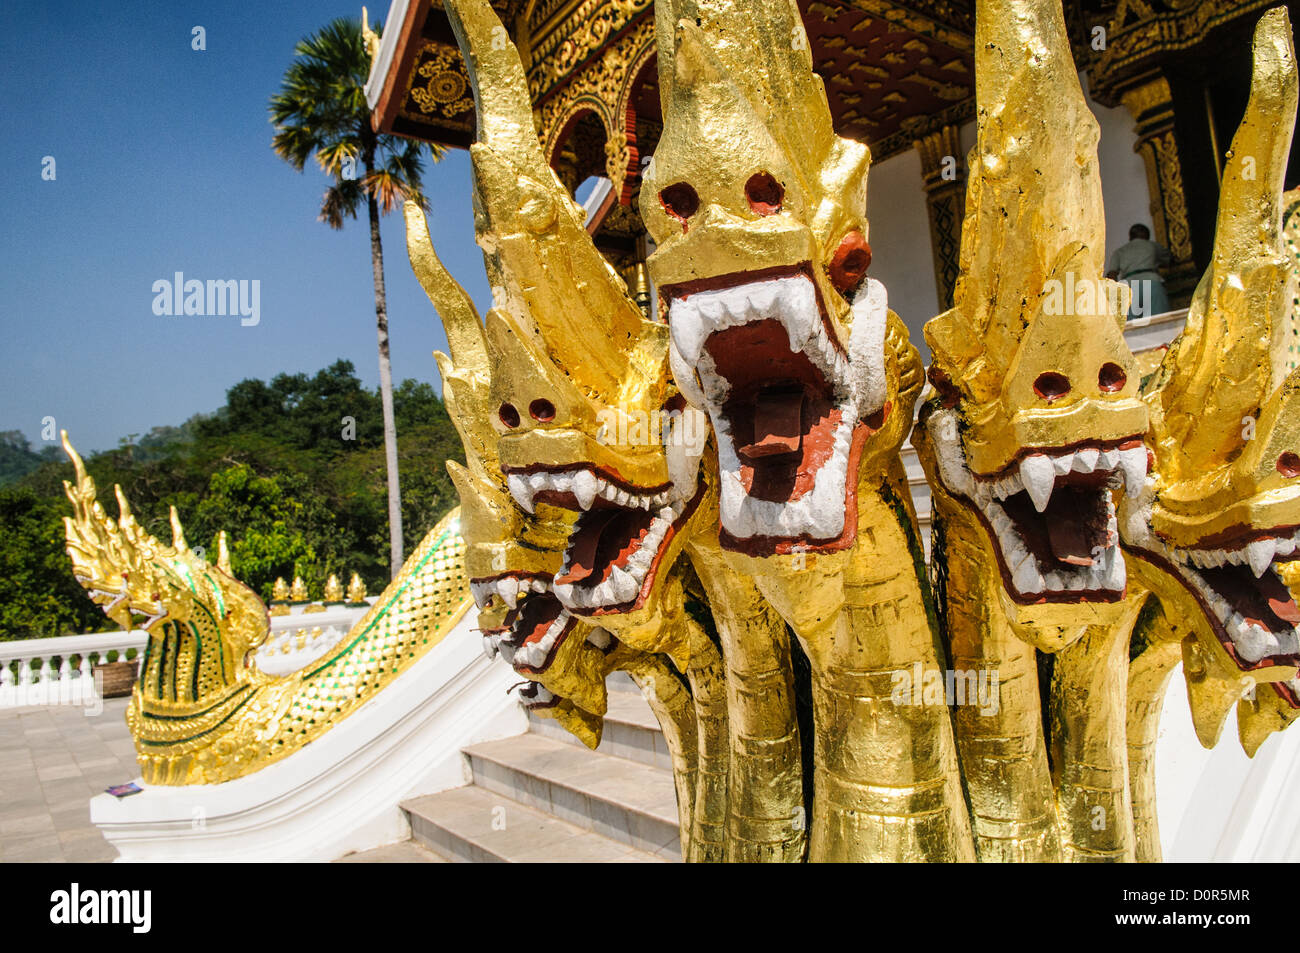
509 416
680 200
1288 464
764 193
542 410
1111 378
1050 385
850 262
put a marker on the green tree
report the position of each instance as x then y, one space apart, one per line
38 595
321 111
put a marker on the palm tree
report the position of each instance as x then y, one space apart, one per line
321 110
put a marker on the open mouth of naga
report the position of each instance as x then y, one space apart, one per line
1235 579
532 633
1051 514
780 390
617 544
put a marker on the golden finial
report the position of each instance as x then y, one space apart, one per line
280 591
356 589
369 36
641 288
298 592
333 589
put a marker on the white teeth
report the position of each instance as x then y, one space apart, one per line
520 490
684 375
688 335
625 587
791 300
584 488
1038 476
1260 554
1085 460
599 638
490 646
1027 578
1054 582
541 696
1107 459
1133 462
1116 577
508 587
1063 464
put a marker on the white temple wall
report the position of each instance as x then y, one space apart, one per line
900 241
1123 173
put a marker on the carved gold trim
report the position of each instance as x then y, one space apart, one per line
1136 35
608 80
591 29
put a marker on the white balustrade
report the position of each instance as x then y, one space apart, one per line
294 641
39 683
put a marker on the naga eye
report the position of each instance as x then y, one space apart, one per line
509 416
680 201
542 410
764 193
1111 378
1288 464
1050 385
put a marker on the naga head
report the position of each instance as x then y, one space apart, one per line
1035 416
171 592
511 555
758 212
1221 517
576 415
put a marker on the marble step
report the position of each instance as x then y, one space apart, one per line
474 825
621 682
623 800
403 852
631 731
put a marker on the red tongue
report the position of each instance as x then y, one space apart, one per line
1287 611
778 410
1265 600
582 547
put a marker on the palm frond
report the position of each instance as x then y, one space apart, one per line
320 111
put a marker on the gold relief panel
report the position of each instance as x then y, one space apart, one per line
585 30
439 87
1137 33
604 88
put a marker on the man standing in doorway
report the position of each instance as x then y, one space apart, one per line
1137 262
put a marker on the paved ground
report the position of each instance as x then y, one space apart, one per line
52 761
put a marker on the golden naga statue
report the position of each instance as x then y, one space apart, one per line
1214 532
1033 425
713 499
203 711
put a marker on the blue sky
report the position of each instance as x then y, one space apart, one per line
163 164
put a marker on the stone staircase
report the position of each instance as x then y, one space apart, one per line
543 796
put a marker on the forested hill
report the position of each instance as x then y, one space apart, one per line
292 469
